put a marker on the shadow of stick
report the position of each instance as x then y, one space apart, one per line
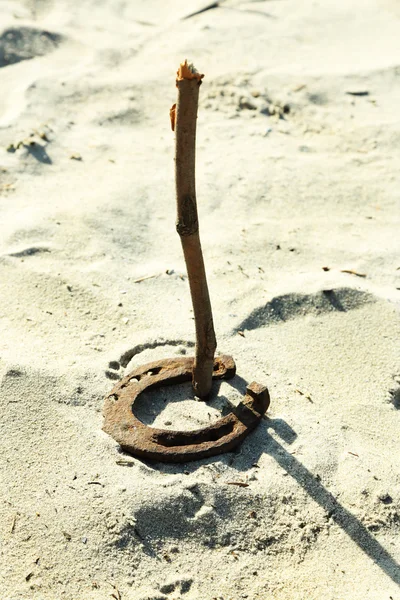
348 522
340 515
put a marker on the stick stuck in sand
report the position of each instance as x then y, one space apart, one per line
183 121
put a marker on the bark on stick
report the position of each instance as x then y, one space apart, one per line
183 120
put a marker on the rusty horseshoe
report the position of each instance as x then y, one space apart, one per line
179 446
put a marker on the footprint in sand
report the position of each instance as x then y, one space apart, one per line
17 45
24 43
25 60
291 306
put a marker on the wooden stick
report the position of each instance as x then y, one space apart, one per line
183 121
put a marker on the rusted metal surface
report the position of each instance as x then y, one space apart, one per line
179 446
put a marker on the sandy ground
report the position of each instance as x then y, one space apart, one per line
297 177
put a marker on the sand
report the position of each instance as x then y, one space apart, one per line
298 196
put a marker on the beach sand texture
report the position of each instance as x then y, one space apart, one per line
298 197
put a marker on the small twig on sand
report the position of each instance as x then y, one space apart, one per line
351 272
183 120
117 593
140 279
12 528
238 483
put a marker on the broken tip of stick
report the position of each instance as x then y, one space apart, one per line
188 71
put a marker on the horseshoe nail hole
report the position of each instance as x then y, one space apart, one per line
134 379
154 371
113 397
